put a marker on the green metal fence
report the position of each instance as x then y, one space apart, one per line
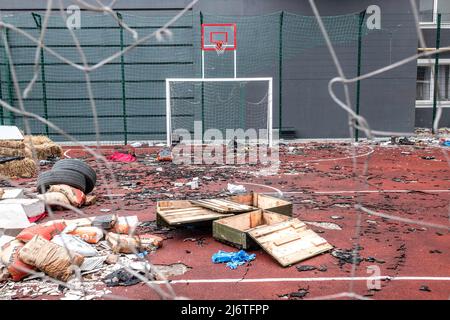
129 92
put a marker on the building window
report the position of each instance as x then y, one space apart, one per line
425 83
423 87
428 10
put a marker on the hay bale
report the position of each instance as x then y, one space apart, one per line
47 150
43 146
25 168
12 144
36 140
11 152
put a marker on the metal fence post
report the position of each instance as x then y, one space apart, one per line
38 21
123 81
436 69
203 87
2 119
280 75
12 116
358 73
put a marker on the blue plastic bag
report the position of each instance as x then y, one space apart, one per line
233 259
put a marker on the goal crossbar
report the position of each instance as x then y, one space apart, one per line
256 79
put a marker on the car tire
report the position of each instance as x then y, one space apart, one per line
80 167
60 176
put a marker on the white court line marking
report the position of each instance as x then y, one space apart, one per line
319 279
372 150
66 155
263 185
368 191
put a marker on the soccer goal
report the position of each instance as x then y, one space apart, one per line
226 104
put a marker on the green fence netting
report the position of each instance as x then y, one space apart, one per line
129 92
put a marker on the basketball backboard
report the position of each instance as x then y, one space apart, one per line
219 35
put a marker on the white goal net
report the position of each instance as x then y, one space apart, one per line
224 105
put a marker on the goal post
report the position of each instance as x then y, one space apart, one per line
180 104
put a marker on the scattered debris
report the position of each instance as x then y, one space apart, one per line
120 277
232 259
124 243
322 268
75 244
300 294
12 193
136 144
193 184
374 260
121 157
92 263
76 197
162 272
51 258
236 189
324 225
165 155
89 234
305 268
346 256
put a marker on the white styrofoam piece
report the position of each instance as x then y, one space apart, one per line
10 133
5 239
31 207
13 216
13 193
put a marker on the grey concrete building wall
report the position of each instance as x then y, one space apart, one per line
387 100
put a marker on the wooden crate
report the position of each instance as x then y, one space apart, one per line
182 212
233 230
286 239
265 202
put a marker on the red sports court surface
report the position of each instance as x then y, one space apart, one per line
319 180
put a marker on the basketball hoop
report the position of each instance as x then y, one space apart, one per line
220 47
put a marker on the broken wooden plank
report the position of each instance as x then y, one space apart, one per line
180 212
222 205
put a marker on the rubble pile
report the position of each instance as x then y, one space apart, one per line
64 249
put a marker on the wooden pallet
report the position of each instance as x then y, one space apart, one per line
223 205
179 216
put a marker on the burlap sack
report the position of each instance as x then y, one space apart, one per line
50 258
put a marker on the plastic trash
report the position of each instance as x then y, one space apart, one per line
235 188
165 155
89 234
122 157
233 259
136 144
193 184
47 231
75 244
126 225
16 268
